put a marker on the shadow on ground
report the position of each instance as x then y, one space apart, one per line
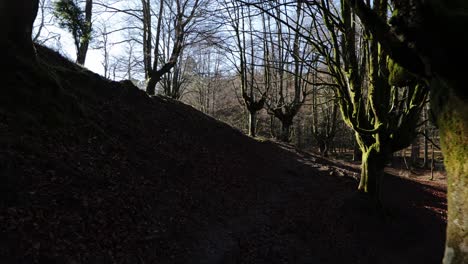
124 178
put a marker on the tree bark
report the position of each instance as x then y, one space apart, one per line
452 119
426 142
285 131
252 123
415 152
433 22
372 171
357 154
323 148
83 49
147 38
17 19
151 86
181 22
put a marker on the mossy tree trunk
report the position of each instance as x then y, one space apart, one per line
373 100
357 153
452 119
430 43
372 170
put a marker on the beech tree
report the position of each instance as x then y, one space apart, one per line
428 38
206 79
381 107
181 13
324 117
287 68
78 22
240 21
378 100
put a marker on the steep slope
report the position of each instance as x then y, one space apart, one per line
95 171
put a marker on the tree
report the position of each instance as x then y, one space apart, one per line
381 109
78 22
16 20
42 5
374 100
174 83
324 118
206 75
105 46
181 14
428 39
244 53
288 69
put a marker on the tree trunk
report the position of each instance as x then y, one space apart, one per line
81 56
426 148
147 38
83 50
414 152
426 142
357 154
452 119
252 124
272 127
156 74
299 136
448 102
285 131
372 170
16 20
323 148
151 86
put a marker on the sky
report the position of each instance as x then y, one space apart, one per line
94 57
63 41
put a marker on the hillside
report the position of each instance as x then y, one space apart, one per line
95 171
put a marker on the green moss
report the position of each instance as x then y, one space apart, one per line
452 118
398 76
261 139
372 167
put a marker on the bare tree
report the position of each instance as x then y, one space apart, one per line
288 68
181 14
324 117
240 21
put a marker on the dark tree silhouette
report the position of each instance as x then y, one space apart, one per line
16 20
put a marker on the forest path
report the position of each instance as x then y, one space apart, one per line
301 215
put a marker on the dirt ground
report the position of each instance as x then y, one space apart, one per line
132 179
437 178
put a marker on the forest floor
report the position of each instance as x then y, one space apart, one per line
98 172
397 167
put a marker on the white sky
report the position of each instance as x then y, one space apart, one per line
94 57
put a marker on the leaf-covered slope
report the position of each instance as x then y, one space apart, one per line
95 171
